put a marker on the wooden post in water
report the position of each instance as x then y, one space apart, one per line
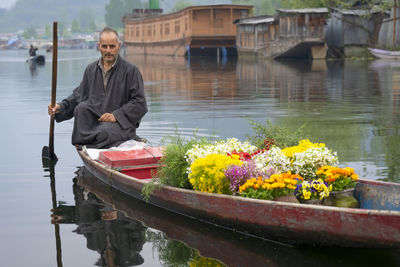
394 24
53 86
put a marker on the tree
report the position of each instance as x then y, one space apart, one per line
61 28
75 26
181 4
92 26
30 33
131 4
261 7
47 31
114 13
86 17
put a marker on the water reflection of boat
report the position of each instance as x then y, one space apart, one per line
383 63
384 54
230 248
369 226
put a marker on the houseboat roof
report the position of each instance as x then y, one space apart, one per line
198 7
354 12
255 20
304 10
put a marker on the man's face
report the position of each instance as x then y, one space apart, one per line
109 47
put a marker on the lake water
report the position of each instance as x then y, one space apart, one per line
352 105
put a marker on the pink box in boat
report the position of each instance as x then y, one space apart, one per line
138 163
131 158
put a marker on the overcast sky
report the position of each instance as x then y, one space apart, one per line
7 3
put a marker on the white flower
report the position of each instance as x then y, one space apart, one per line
307 162
219 147
278 160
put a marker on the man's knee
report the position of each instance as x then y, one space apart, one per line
81 108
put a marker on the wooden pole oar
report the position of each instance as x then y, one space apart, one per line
48 152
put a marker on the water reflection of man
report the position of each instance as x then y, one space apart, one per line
117 238
32 68
109 103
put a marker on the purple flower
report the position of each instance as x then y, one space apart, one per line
237 176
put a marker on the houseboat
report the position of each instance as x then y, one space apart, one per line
291 33
195 30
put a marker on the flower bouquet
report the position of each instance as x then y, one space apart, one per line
276 186
208 173
313 190
340 178
343 182
307 157
238 175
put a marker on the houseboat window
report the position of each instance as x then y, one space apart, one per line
160 29
244 14
154 30
131 31
137 31
177 26
186 27
301 20
148 30
166 28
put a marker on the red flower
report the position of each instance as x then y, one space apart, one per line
243 155
268 142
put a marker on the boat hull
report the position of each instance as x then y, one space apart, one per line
284 222
385 54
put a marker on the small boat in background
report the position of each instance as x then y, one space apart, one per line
384 54
39 59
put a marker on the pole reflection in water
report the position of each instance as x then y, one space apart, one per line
49 166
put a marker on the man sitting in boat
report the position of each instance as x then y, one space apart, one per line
32 51
109 103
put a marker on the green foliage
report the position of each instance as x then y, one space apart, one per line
289 4
368 5
131 4
171 252
86 19
116 9
173 166
75 26
92 26
114 12
48 31
38 13
181 4
343 184
260 7
266 194
30 33
281 135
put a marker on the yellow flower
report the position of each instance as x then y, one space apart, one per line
306 194
208 173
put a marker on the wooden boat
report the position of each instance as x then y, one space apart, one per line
385 54
232 249
375 224
39 59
